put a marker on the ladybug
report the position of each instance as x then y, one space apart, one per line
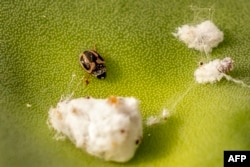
93 63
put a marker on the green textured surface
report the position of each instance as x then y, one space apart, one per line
39 46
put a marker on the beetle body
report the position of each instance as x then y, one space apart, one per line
93 63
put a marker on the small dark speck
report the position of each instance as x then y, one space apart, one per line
86 81
137 142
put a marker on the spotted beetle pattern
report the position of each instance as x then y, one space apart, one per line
93 63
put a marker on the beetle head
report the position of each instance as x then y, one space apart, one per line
101 76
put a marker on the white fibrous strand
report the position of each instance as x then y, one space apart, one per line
165 114
153 120
107 128
202 37
213 71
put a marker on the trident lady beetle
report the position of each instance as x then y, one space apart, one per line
93 63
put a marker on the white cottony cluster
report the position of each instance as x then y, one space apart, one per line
202 37
107 128
213 71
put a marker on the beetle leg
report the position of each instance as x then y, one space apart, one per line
87 80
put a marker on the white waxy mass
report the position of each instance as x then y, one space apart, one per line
107 128
202 37
213 71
